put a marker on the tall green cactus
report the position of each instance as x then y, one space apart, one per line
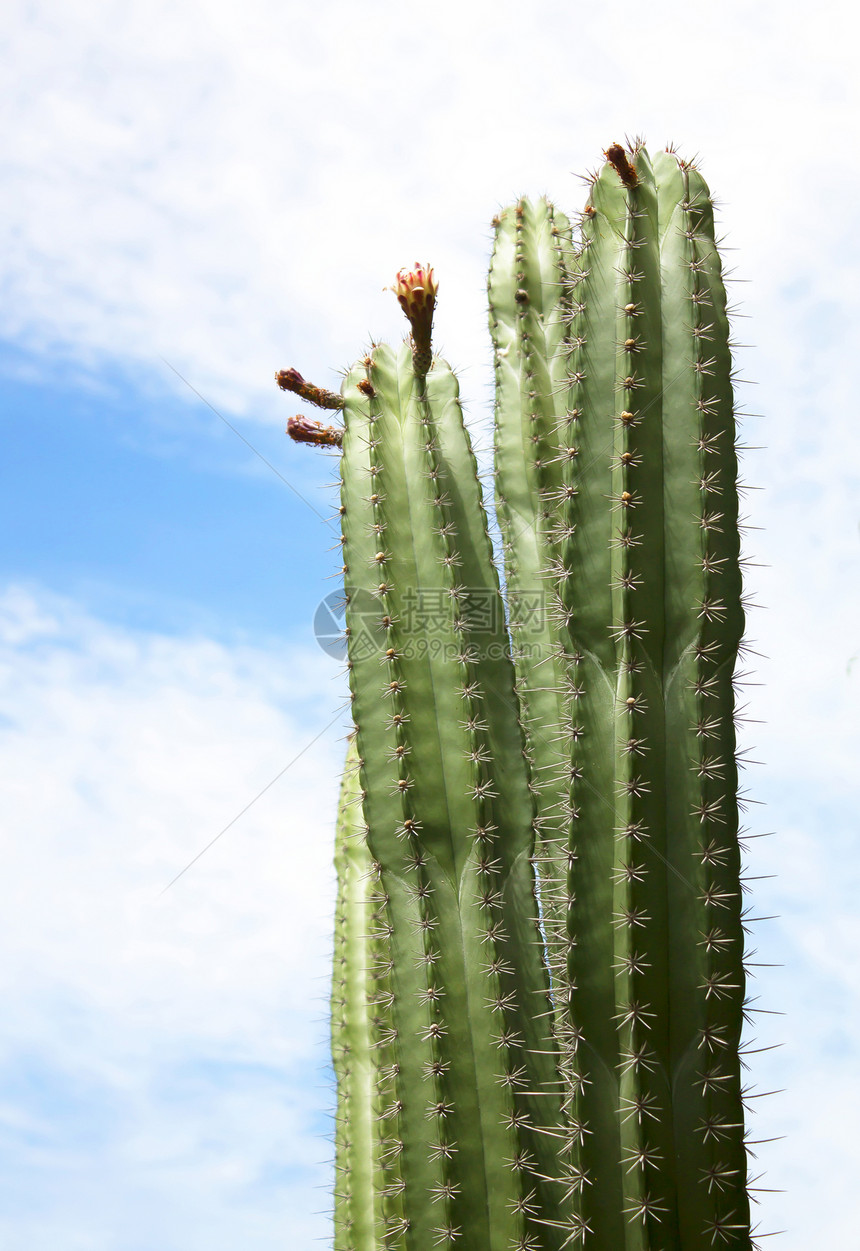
550 1053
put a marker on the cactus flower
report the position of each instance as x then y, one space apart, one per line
416 293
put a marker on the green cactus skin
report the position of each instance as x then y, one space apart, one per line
640 541
529 308
530 311
448 816
358 1024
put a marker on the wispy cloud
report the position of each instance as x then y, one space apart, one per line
231 188
152 1035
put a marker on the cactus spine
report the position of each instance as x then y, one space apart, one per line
563 1068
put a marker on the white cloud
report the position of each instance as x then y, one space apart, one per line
164 1054
230 187
817 992
162 1061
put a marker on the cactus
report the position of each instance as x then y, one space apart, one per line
537 1039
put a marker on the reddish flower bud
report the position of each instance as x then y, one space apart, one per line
305 430
416 293
292 380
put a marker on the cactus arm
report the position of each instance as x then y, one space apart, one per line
530 299
528 288
648 634
589 512
448 811
357 1022
705 624
410 1139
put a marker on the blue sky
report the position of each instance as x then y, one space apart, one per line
195 196
153 510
